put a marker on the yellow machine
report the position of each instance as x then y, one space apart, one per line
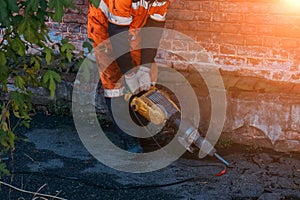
156 106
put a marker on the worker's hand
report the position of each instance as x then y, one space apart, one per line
132 82
143 76
138 81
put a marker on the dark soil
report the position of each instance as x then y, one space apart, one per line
254 173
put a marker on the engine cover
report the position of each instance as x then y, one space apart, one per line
153 105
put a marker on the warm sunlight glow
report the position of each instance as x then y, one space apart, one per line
293 3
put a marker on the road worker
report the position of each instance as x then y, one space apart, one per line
134 68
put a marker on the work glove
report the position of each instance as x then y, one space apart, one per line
138 81
132 82
144 79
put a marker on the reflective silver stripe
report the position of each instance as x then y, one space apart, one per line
158 17
142 3
157 3
146 4
113 18
103 7
114 92
119 20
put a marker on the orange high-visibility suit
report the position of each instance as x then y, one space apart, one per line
115 16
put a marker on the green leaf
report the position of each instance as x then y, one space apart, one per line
3 170
87 66
21 104
68 3
65 40
95 3
88 46
4 13
3 60
7 138
4 70
18 46
4 126
69 55
11 139
36 63
57 6
32 7
49 80
48 53
29 28
13 6
20 83
67 46
26 123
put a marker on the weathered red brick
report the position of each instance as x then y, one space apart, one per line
75 18
287 30
210 6
260 19
166 44
74 28
202 16
181 14
84 10
290 43
265 30
232 39
252 51
181 66
78 2
73 10
233 7
212 48
253 40
230 28
227 17
83 29
272 41
295 77
200 26
177 5
179 45
181 25
278 64
228 49
279 75
173 57
260 6
229 60
195 46
278 54
204 37
193 5
169 24
255 62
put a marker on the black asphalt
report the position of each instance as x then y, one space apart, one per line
50 158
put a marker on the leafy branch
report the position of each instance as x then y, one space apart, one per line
24 22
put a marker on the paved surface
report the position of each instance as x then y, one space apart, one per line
53 161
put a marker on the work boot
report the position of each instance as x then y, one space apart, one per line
132 145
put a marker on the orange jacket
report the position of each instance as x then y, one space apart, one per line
132 13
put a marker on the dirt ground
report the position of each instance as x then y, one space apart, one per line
52 160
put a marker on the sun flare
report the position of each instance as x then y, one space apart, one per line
294 3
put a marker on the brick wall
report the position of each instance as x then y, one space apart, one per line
260 35
244 35
255 46
73 26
